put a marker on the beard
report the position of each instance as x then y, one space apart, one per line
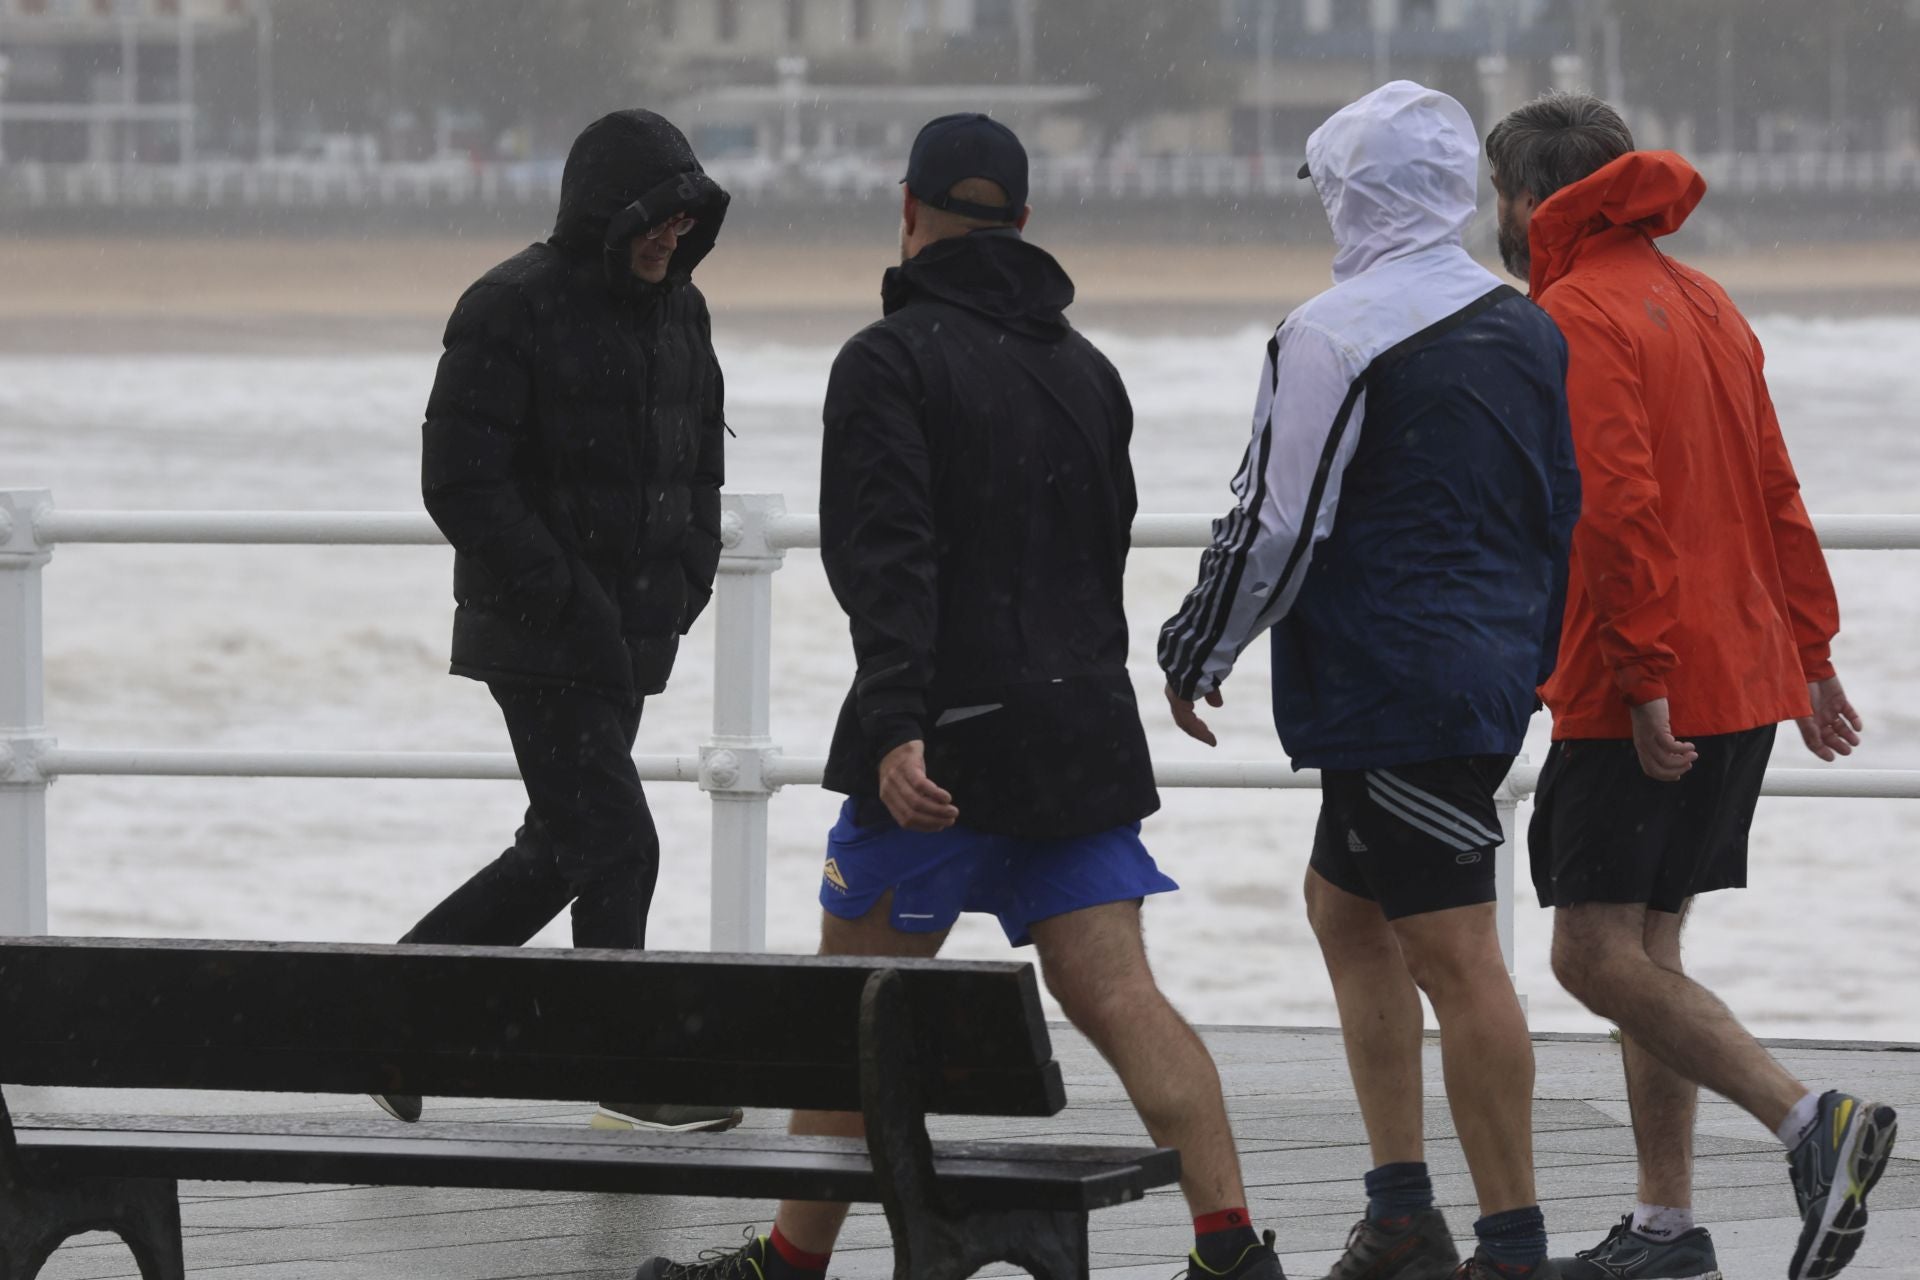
1514 250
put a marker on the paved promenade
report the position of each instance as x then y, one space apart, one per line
1294 1114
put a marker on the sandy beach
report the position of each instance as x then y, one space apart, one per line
254 295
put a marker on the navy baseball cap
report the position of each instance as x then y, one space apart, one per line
970 145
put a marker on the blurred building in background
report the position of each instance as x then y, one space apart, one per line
426 102
1297 61
106 80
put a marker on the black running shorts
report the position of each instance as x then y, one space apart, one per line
1603 831
1416 838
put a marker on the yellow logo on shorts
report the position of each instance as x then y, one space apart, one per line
834 877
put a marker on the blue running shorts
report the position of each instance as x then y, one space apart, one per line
935 877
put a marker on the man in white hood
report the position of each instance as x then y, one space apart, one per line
1402 527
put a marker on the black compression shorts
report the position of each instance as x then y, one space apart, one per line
1415 838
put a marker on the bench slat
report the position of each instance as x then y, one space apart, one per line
977 1175
508 1022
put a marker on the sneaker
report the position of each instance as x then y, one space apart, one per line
1479 1268
666 1117
753 1261
1259 1262
1625 1254
1833 1169
1415 1247
401 1106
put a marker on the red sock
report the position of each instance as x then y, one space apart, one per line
796 1257
1222 1239
1225 1220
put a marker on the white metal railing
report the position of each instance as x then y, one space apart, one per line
739 766
308 184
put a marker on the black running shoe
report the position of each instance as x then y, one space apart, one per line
1834 1168
1479 1268
1415 1247
753 1261
1259 1262
1625 1254
401 1106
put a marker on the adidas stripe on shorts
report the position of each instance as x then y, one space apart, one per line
1415 838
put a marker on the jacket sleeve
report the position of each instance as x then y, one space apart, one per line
1627 560
877 536
478 425
1811 603
1306 426
700 553
1563 480
1126 492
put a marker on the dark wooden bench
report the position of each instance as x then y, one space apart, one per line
896 1039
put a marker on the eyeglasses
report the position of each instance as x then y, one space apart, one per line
679 226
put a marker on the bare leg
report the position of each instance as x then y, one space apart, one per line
1663 1101
814 1225
1600 956
1380 1018
1485 1048
1095 963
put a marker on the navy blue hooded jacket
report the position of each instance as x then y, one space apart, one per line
1406 505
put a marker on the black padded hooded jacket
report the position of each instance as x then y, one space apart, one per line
573 446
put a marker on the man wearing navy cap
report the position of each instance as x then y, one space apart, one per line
975 504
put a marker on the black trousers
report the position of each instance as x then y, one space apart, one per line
588 838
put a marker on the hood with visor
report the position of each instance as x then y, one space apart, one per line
1399 173
627 173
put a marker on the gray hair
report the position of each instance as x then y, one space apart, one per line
1553 142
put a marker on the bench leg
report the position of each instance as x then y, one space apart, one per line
144 1212
1049 1246
931 1241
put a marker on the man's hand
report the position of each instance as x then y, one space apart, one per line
910 796
1833 730
1662 757
1190 724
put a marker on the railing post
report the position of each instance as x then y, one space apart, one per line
1506 799
734 763
23 733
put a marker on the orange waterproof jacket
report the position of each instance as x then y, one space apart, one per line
1696 574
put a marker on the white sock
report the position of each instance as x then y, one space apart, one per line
1800 1121
1662 1222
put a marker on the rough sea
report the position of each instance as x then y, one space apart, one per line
346 648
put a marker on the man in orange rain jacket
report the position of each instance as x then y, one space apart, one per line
1699 616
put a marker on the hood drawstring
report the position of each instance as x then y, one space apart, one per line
1701 300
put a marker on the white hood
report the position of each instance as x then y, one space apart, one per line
1399 172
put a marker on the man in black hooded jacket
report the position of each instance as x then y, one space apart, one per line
572 455
975 504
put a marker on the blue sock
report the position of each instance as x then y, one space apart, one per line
1398 1191
1515 1241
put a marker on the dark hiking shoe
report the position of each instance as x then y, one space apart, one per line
665 1117
1479 1268
1625 1254
1833 1169
1259 1262
1416 1246
756 1260
401 1106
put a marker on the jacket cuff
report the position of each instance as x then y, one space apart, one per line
1194 689
1640 686
698 597
1817 663
889 732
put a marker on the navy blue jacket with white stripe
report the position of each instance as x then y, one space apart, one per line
1406 505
